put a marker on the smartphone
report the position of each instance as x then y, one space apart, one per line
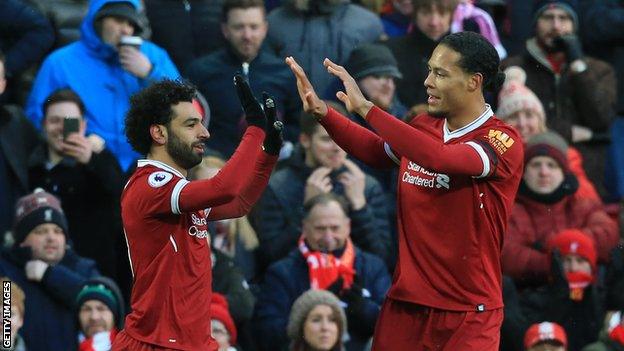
70 125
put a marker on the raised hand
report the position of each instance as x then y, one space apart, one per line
311 102
273 139
253 111
354 181
352 97
318 183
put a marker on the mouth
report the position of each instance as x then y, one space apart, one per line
432 99
199 148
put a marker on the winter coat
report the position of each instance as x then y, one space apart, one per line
277 216
532 223
25 36
228 280
602 28
92 69
49 319
586 99
288 278
90 197
197 26
213 76
310 31
18 139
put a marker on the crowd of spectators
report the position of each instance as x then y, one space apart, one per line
311 264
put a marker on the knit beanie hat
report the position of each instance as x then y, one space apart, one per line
34 209
372 59
99 291
219 311
304 304
123 9
574 241
540 6
548 144
545 331
515 96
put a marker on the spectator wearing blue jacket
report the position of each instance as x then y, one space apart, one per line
103 73
325 259
49 272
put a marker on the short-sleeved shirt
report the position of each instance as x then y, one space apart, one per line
170 259
451 226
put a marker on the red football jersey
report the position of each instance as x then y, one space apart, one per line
451 225
170 259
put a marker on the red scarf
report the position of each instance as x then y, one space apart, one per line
101 341
617 334
325 268
578 281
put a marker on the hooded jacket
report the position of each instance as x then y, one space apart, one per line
92 69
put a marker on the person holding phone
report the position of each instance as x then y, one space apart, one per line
83 174
105 67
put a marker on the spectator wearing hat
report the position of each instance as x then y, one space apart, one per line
317 322
545 336
573 297
222 325
17 315
431 21
49 271
86 178
578 91
547 204
108 72
521 108
244 25
325 259
612 337
100 307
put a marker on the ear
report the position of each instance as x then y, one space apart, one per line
224 30
475 82
2 85
158 132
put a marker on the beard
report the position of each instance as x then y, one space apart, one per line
181 153
437 114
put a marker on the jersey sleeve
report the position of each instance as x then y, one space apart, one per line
159 193
500 150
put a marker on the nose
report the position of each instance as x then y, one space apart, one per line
427 82
204 134
435 20
247 32
127 28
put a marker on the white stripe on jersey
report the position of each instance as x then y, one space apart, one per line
129 258
484 158
175 195
175 246
391 154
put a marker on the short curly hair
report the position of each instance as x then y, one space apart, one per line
152 105
477 56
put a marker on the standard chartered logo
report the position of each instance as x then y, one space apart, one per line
194 230
425 178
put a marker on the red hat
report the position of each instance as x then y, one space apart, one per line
219 311
545 331
574 241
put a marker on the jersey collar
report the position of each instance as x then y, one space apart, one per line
161 165
448 135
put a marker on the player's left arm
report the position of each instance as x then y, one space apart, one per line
241 205
478 158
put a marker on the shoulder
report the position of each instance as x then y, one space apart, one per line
147 178
361 12
500 136
369 261
287 265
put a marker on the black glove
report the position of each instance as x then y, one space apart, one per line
559 283
273 139
571 45
336 287
354 299
20 255
253 111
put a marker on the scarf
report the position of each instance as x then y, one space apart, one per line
102 341
578 281
325 268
